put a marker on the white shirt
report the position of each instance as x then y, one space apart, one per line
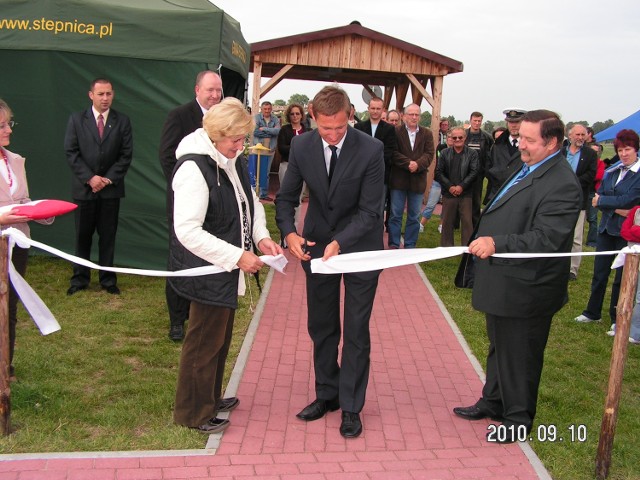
327 151
96 114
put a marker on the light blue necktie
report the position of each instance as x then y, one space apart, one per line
523 173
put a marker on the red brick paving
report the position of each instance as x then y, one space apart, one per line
419 371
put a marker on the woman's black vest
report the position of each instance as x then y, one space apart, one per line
223 221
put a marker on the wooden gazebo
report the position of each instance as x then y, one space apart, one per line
357 55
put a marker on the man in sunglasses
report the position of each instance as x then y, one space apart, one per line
456 172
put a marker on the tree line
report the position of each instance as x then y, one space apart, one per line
425 118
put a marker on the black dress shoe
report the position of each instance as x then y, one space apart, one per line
318 408
176 333
75 288
112 289
214 425
228 404
474 413
351 425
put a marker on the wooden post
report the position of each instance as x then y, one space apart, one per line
5 389
618 359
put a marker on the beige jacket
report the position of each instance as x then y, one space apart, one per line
21 195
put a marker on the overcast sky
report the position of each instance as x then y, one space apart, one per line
578 58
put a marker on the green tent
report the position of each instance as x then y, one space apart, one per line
151 50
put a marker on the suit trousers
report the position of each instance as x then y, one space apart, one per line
202 362
453 208
19 257
99 215
578 233
347 381
514 367
178 306
601 271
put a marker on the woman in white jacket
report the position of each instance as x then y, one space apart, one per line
217 220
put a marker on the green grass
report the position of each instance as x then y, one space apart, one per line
106 382
575 376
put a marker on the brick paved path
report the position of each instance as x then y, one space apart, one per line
420 370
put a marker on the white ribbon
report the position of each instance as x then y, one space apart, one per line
41 314
379 259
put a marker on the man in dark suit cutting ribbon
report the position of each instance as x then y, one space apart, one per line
344 170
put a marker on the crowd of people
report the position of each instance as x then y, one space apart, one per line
361 177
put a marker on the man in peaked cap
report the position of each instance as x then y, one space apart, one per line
504 158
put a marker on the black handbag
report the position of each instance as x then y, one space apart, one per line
465 274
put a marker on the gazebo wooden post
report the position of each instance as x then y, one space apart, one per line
436 90
618 359
5 389
257 80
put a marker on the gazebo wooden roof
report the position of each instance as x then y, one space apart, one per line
357 55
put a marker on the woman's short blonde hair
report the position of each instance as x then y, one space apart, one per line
5 110
229 118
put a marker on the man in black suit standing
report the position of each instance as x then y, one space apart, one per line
99 146
583 161
534 212
180 122
386 133
344 170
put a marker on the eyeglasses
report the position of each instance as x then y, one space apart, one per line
9 124
456 138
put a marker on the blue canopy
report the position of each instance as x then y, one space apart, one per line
631 122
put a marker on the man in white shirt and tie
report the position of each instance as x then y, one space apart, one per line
504 158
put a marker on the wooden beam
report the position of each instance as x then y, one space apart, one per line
624 311
5 388
414 81
401 94
275 80
257 80
436 90
388 92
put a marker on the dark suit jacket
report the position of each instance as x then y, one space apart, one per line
180 122
503 162
350 209
422 153
386 133
88 155
537 215
624 195
586 172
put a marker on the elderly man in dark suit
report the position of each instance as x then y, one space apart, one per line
408 178
99 146
534 212
180 122
344 170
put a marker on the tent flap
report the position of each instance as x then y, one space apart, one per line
150 29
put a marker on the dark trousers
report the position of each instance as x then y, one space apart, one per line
453 208
202 362
476 196
601 271
100 215
347 381
514 367
178 306
19 257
